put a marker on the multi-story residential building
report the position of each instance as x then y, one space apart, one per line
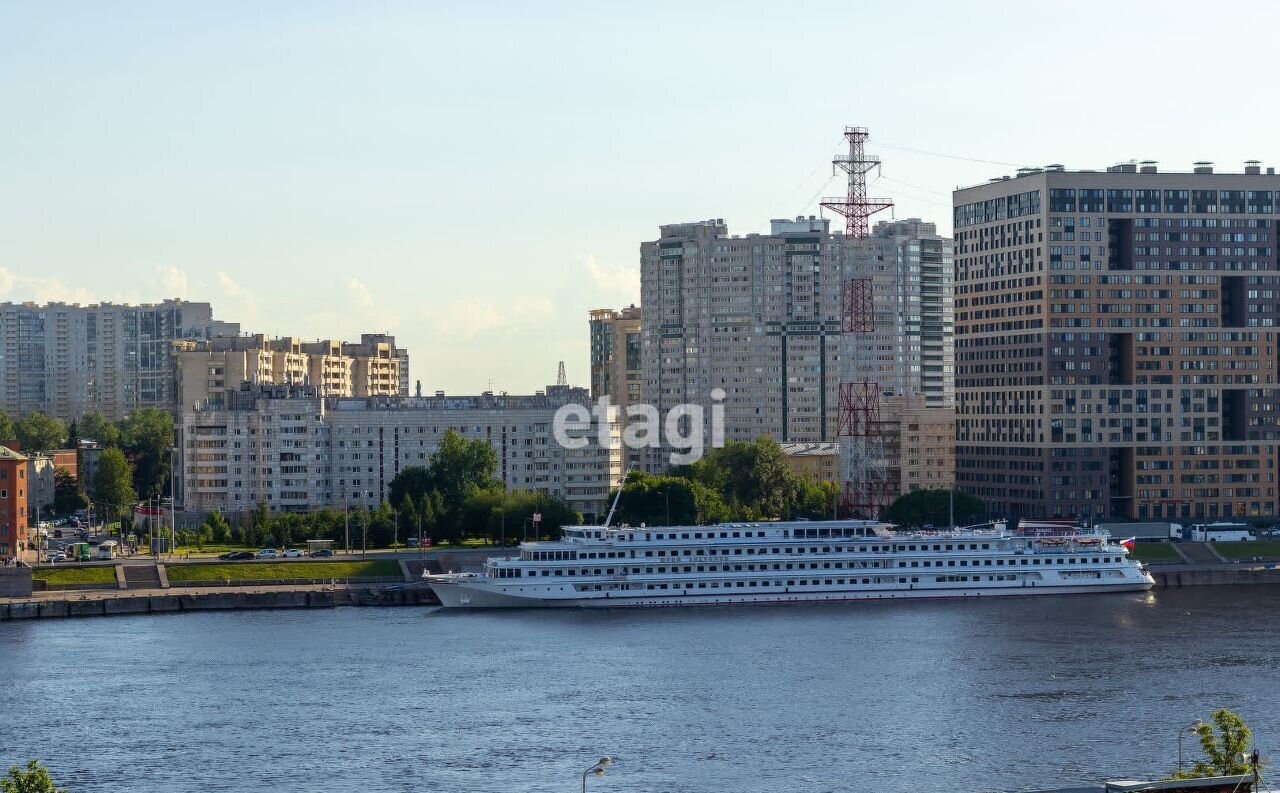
616 355
760 317
1116 342
296 450
65 360
13 503
384 364
206 371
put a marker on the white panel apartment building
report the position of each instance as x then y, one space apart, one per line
297 451
65 360
759 316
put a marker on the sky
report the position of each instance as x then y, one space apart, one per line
475 177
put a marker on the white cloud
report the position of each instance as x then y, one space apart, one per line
620 283
42 290
475 316
229 287
237 304
172 280
360 291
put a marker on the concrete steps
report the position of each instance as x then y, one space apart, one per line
141 576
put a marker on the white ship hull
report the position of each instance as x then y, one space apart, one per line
485 595
789 562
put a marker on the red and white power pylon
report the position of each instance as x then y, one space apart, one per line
866 486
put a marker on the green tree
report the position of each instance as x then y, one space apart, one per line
34 780
815 500
408 517
68 496
657 501
7 430
459 464
413 481
93 426
1223 749
40 433
147 435
218 528
113 484
933 508
753 478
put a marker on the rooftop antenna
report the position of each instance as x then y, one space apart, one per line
561 379
609 518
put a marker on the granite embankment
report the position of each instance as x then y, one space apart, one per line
108 603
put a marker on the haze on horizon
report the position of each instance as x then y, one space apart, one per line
475 178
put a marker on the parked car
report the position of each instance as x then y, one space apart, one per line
235 556
321 553
267 553
293 553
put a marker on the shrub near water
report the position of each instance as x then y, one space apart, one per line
283 571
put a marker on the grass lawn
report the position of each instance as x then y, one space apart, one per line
283 571
1248 550
76 575
1154 552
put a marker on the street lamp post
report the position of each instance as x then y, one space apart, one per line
1191 728
597 770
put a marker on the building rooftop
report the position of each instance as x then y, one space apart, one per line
792 449
1200 168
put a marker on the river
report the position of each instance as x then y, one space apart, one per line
983 695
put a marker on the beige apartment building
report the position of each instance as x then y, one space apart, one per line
295 450
616 360
208 370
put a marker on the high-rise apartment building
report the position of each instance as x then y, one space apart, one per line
616 356
759 316
65 360
295 450
1116 342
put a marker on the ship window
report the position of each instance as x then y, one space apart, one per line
684 536
559 572
753 583
902 580
792 582
702 586
986 546
777 550
546 572
866 580
828 582
739 583
915 580
737 534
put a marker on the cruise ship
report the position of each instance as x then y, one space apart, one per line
793 562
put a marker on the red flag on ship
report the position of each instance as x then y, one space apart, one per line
1129 543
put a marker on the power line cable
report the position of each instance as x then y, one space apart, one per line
948 156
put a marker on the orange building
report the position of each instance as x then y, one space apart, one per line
13 503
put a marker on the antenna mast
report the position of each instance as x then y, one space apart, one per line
858 419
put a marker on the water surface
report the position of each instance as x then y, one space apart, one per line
897 697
